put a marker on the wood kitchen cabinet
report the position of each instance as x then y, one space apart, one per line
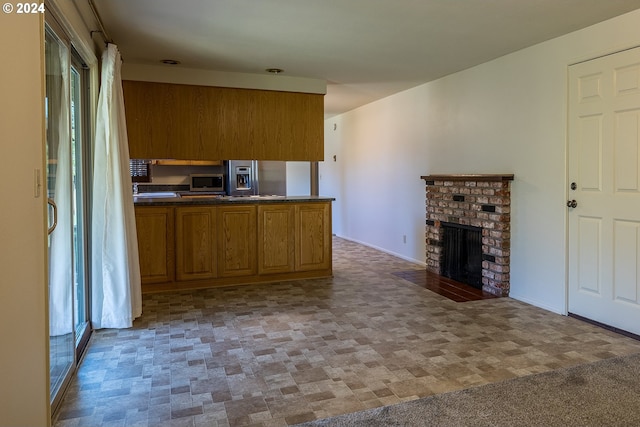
200 245
155 229
210 123
276 238
196 241
237 240
313 236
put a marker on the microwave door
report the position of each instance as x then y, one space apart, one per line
207 182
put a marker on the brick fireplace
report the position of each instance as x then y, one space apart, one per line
482 201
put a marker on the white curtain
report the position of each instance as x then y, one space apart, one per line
61 250
116 290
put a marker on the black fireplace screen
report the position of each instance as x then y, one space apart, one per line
462 254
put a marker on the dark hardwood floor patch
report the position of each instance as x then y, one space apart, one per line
455 291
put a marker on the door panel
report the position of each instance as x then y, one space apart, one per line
626 261
59 194
67 146
604 163
626 151
590 172
589 231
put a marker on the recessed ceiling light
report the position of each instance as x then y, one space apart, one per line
274 70
170 62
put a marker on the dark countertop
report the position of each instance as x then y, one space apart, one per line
225 200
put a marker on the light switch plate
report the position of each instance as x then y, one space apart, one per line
37 184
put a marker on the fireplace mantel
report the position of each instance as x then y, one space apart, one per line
469 177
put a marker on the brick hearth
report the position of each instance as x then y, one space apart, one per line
480 201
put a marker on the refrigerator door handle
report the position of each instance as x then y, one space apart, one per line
255 184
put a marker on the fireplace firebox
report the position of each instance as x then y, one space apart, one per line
462 253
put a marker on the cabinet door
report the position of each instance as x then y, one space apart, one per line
171 121
234 134
270 125
313 236
288 126
237 241
155 229
196 243
276 241
150 127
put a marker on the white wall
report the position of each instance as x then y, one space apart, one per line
505 116
24 386
298 178
330 172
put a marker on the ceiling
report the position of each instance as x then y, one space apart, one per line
364 49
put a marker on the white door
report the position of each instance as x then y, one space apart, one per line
604 180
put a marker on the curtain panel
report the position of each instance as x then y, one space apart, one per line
116 289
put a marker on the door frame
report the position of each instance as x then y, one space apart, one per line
86 131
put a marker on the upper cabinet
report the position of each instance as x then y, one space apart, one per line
173 121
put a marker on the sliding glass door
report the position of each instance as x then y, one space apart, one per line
59 192
66 146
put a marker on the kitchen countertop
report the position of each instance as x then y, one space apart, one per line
224 200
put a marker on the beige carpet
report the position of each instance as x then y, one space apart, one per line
603 393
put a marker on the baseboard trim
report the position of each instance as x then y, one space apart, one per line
605 326
395 254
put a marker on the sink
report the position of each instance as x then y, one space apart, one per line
156 195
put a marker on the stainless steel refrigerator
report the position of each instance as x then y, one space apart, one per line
252 177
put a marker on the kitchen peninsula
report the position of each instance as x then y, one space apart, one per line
201 242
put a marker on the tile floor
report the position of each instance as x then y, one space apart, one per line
285 353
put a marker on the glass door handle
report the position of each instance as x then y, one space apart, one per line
51 203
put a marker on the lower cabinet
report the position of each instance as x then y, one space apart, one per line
197 246
196 240
276 238
155 230
237 241
313 237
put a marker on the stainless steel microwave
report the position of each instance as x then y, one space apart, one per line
212 182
